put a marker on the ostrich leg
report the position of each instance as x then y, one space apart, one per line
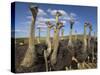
30 56
45 58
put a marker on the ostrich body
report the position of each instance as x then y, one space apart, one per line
64 56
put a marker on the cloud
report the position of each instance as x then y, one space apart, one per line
25 23
41 22
53 12
64 13
19 31
42 26
63 21
44 19
73 14
65 16
29 17
41 12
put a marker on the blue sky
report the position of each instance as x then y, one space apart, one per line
46 12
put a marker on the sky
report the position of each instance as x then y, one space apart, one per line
46 12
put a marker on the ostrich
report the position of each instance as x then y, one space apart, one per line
71 43
56 38
94 52
48 51
35 55
30 56
58 14
54 56
71 29
89 42
82 54
89 35
62 54
50 26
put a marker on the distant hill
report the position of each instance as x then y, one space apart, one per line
42 39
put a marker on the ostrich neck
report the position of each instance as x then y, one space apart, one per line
48 33
39 34
85 39
89 38
70 37
55 46
57 19
32 34
48 38
62 35
30 56
56 41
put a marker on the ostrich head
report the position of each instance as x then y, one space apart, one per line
86 24
34 10
60 25
58 14
49 24
72 21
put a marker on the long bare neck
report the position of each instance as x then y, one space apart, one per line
48 38
32 34
85 39
48 33
89 38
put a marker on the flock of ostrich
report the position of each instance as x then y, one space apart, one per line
61 53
